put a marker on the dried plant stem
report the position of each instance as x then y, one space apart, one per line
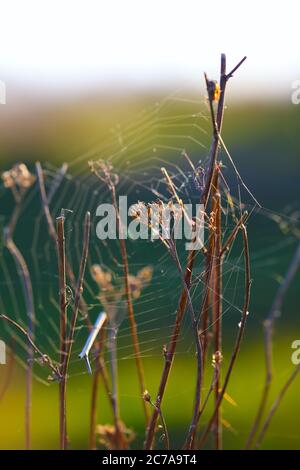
209 289
67 342
204 310
45 359
93 411
29 302
44 199
199 352
217 128
106 177
217 310
268 336
275 405
114 379
191 257
171 245
63 326
99 371
229 241
52 232
170 352
163 423
51 229
211 389
132 322
239 338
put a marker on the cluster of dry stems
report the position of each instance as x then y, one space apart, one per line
205 319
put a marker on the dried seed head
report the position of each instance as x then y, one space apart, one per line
104 171
115 439
214 90
102 278
7 179
135 285
217 358
18 175
146 396
145 274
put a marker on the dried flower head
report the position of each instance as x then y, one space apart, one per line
103 169
113 293
217 358
19 176
103 279
115 439
145 275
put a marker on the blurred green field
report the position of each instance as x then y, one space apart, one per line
263 138
244 388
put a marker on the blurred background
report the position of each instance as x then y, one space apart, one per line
124 80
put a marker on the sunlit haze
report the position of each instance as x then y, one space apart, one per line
76 45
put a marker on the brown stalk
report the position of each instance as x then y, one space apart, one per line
275 405
102 370
268 337
133 326
170 352
93 411
217 309
217 126
162 419
51 228
239 338
29 302
204 311
45 359
106 177
63 325
199 353
229 241
68 341
198 344
95 386
211 389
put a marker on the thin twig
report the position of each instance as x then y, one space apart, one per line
156 406
198 344
58 178
95 386
217 307
228 242
268 337
70 338
169 356
106 177
211 388
199 353
275 405
45 359
52 232
45 199
239 338
63 325
29 302
68 341
45 202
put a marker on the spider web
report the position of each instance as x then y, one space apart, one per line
163 134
